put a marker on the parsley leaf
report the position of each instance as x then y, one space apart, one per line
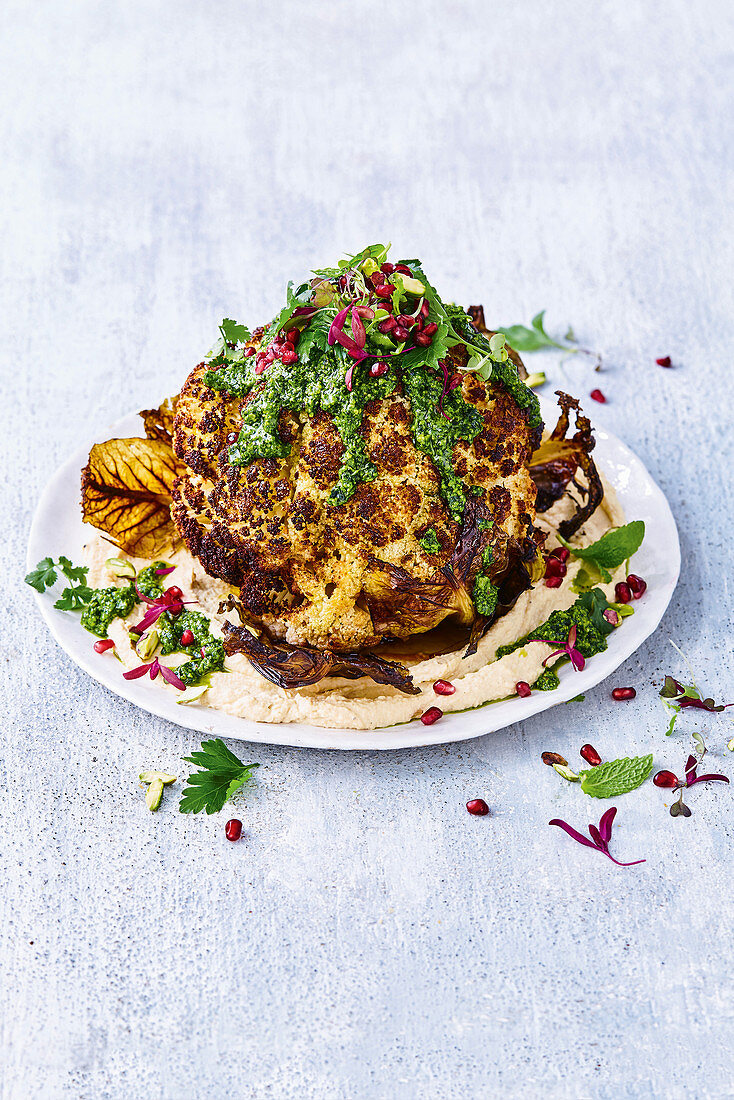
222 776
43 576
608 552
616 777
232 333
74 599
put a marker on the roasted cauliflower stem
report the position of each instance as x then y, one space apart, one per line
419 534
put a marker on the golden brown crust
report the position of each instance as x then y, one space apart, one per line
308 570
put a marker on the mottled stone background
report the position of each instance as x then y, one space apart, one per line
165 164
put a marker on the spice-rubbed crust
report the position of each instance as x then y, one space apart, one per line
315 573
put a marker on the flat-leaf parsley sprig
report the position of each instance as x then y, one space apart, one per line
221 777
535 338
76 595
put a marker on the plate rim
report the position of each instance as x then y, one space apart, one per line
148 697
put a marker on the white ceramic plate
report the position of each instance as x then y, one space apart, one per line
57 529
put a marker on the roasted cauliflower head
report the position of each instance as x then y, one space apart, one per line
357 490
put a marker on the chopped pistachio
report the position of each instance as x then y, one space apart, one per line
411 285
535 379
164 777
120 567
146 645
622 609
730 745
566 773
192 694
154 794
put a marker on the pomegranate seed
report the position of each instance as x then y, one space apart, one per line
554 567
249 352
431 715
387 268
431 328
638 587
423 339
269 354
400 334
384 291
103 645
553 582
377 279
387 325
622 592
623 693
231 437
523 689
478 807
187 637
551 758
378 369
664 362
293 336
418 324
233 829
174 592
590 755
560 552
290 355
342 282
403 269
665 779
405 321
444 687
597 395
424 308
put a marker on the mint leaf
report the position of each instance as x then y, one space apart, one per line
608 552
43 576
222 776
616 777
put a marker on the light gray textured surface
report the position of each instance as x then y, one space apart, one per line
164 165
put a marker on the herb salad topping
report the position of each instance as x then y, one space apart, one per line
354 334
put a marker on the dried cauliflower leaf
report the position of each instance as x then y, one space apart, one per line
158 423
126 492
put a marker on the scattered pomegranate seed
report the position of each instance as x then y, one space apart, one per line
523 689
403 268
638 587
561 553
387 325
665 779
622 592
249 352
231 437
478 807
623 693
405 321
597 395
590 755
174 592
378 369
377 278
431 715
664 362
384 291
103 645
290 355
233 829
554 567
424 309
551 758
444 687
422 339
431 328
187 637
400 334
293 336
387 268
553 582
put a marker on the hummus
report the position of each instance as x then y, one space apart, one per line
361 704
